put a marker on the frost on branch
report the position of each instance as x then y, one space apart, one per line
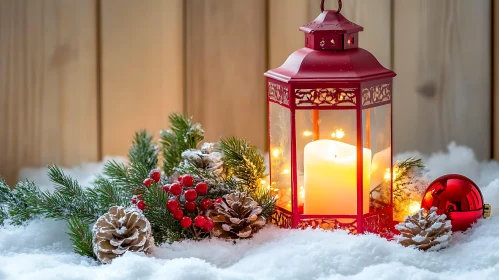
425 231
121 230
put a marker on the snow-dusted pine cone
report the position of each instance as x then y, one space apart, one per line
237 216
427 232
121 230
205 159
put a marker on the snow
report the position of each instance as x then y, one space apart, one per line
41 250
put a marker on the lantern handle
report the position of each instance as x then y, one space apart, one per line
339 6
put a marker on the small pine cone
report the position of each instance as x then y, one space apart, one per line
430 232
237 216
121 230
211 161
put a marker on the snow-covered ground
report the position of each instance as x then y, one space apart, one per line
41 250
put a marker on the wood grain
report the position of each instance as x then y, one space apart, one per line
48 92
226 59
495 81
142 68
442 91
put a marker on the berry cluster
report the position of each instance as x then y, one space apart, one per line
137 200
186 200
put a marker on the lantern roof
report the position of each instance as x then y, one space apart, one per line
309 65
331 21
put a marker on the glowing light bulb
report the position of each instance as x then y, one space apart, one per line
338 133
285 171
307 133
387 174
414 207
276 152
263 182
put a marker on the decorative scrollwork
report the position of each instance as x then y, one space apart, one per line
281 219
379 222
329 224
325 96
376 94
278 93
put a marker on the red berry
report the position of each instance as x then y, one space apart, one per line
179 179
134 200
202 188
165 188
190 206
206 203
172 205
208 224
219 200
186 222
147 182
176 189
139 197
199 221
187 180
190 195
155 175
178 214
141 205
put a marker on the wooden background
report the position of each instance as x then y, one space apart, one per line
78 77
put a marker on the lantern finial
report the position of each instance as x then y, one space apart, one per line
339 6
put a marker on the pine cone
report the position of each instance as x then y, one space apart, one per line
204 159
430 232
237 216
119 231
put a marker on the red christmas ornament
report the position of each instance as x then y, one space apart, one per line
457 197
178 214
190 206
166 188
187 180
202 188
147 182
155 175
199 221
208 224
190 195
206 203
176 189
172 205
141 205
186 222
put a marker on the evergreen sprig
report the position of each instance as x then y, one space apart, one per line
81 236
20 204
266 200
182 136
243 161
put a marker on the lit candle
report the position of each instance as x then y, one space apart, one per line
331 178
381 162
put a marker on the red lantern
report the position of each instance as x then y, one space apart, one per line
457 197
330 132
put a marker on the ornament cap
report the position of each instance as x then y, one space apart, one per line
486 210
331 31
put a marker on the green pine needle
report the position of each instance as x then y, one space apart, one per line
81 236
182 136
244 161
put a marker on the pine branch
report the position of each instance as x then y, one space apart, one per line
265 199
107 193
81 236
182 136
20 204
243 161
142 156
164 227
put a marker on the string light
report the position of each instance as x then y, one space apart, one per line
285 171
338 133
276 152
307 133
414 207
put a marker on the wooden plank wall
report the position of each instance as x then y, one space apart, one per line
77 78
48 111
442 91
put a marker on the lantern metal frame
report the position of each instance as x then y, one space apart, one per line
332 73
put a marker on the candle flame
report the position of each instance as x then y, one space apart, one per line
307 133
276 152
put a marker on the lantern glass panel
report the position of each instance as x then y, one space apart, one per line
376 124
326 161
280 154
